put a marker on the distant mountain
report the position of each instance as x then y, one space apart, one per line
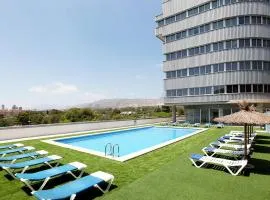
121 103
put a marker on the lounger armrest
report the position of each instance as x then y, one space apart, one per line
54 157
29 148
19 145
78 165
103 175
42 152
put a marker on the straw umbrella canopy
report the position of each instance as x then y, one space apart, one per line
246 116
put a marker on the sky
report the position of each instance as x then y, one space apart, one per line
70 52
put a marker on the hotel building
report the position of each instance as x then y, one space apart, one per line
215 53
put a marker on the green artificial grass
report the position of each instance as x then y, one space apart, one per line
166 173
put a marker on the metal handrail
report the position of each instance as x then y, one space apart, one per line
118 150
111 149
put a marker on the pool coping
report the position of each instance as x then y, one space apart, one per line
126 157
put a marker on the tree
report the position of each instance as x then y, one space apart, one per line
24 118
165 109
73 114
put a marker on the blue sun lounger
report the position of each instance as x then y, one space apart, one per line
46 175
10 146
10 168
13 159
70 189
17 150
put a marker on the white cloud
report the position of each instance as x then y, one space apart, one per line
54 88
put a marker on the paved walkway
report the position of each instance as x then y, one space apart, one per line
47 130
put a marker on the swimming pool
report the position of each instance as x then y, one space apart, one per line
125 144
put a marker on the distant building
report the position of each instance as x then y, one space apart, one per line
216 52
3 107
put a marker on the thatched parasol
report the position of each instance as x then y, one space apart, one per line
248 117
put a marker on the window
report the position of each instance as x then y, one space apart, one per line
197 91
256 42
202 91
207 27
232 89
266 88
215 46
202 29
194 71
247 19
205 69
170 20
266 66
194 91
218 67
231 22
231 66
234 44
241 20
191 52
243 43
257 88
256 65
202 70
185 92
179 92
228 44
160 23
207 48
244 65
208 69
218 24
191 91
181 16
256 20
184 53
245 88
208 90
193 11
202 49
219 89
171 93
184 72
266 43
205 90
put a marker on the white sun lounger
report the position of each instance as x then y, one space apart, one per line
231 146
46 175
241 133
233 140
211 151
228 164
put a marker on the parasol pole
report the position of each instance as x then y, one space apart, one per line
245 149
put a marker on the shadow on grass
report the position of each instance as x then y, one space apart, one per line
261 149
90 193
262 141
263 137
260 166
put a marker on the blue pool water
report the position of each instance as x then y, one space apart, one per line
129 141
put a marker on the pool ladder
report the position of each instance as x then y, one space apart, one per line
110 150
